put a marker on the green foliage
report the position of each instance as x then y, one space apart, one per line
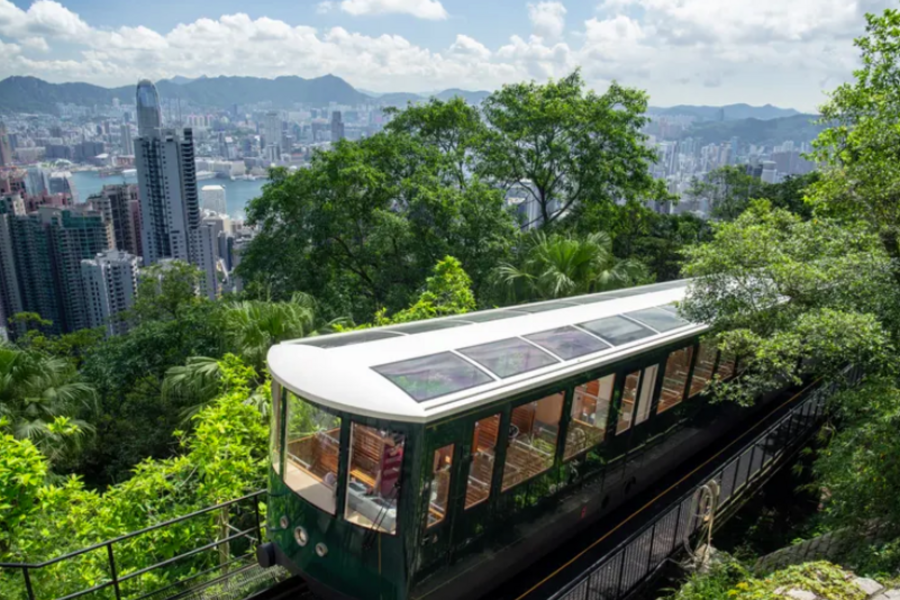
860 170
569 148
224 458
165 290
777 289
730 191
729 580
556 266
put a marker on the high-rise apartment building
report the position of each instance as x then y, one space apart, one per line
337 126
11 206
5 148
127 141
170 207
110 287
272 130
208 259
118 203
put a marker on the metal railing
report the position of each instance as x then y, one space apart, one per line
114 569
621 571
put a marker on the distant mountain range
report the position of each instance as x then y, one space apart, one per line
731 112
30 94
762 132
33 95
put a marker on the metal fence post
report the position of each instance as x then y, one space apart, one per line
259 535
28 587
112 570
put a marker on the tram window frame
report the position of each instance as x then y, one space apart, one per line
276 435
490 458
507 485
317 490
689 351
398 482
445 468
603 428
703 346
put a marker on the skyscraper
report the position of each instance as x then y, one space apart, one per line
5 148
170 208
337 126
272 129
149 118
110 287
127 142
208 259
11 206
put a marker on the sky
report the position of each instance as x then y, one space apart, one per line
784 52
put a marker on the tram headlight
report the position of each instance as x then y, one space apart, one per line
283 521
321 550
300 536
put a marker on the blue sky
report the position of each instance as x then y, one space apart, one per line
681 51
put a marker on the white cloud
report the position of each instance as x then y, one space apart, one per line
752 50
324 7
423 9
547 18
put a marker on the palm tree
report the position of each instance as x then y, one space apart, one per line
251 328
35 391
558 266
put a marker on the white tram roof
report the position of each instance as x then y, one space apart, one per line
429 370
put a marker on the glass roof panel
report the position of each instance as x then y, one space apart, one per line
658 318
616 330
425 326
538 308
349 339
568 342
484 317
594 298
432 376
509 357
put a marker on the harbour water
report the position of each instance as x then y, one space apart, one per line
237 193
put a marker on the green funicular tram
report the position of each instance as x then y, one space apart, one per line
437 459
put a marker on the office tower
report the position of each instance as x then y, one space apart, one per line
127 142
5 148
337 126
149 118
272 129
110 287
116 203
212 197
170 207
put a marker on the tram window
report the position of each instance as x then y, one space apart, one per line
313 447
440 485
481 469
376 460
725 369
648 385
590 410
629 395
678 367
275 433
703 370
533 430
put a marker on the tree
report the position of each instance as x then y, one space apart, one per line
366 222
556 266
859 152
777 290
569 149
164 290
36 390
728 189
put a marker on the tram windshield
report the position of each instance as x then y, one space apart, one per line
313 438
376 461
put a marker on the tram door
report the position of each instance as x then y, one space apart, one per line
636 396
442 460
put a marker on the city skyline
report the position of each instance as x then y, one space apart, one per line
680 52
